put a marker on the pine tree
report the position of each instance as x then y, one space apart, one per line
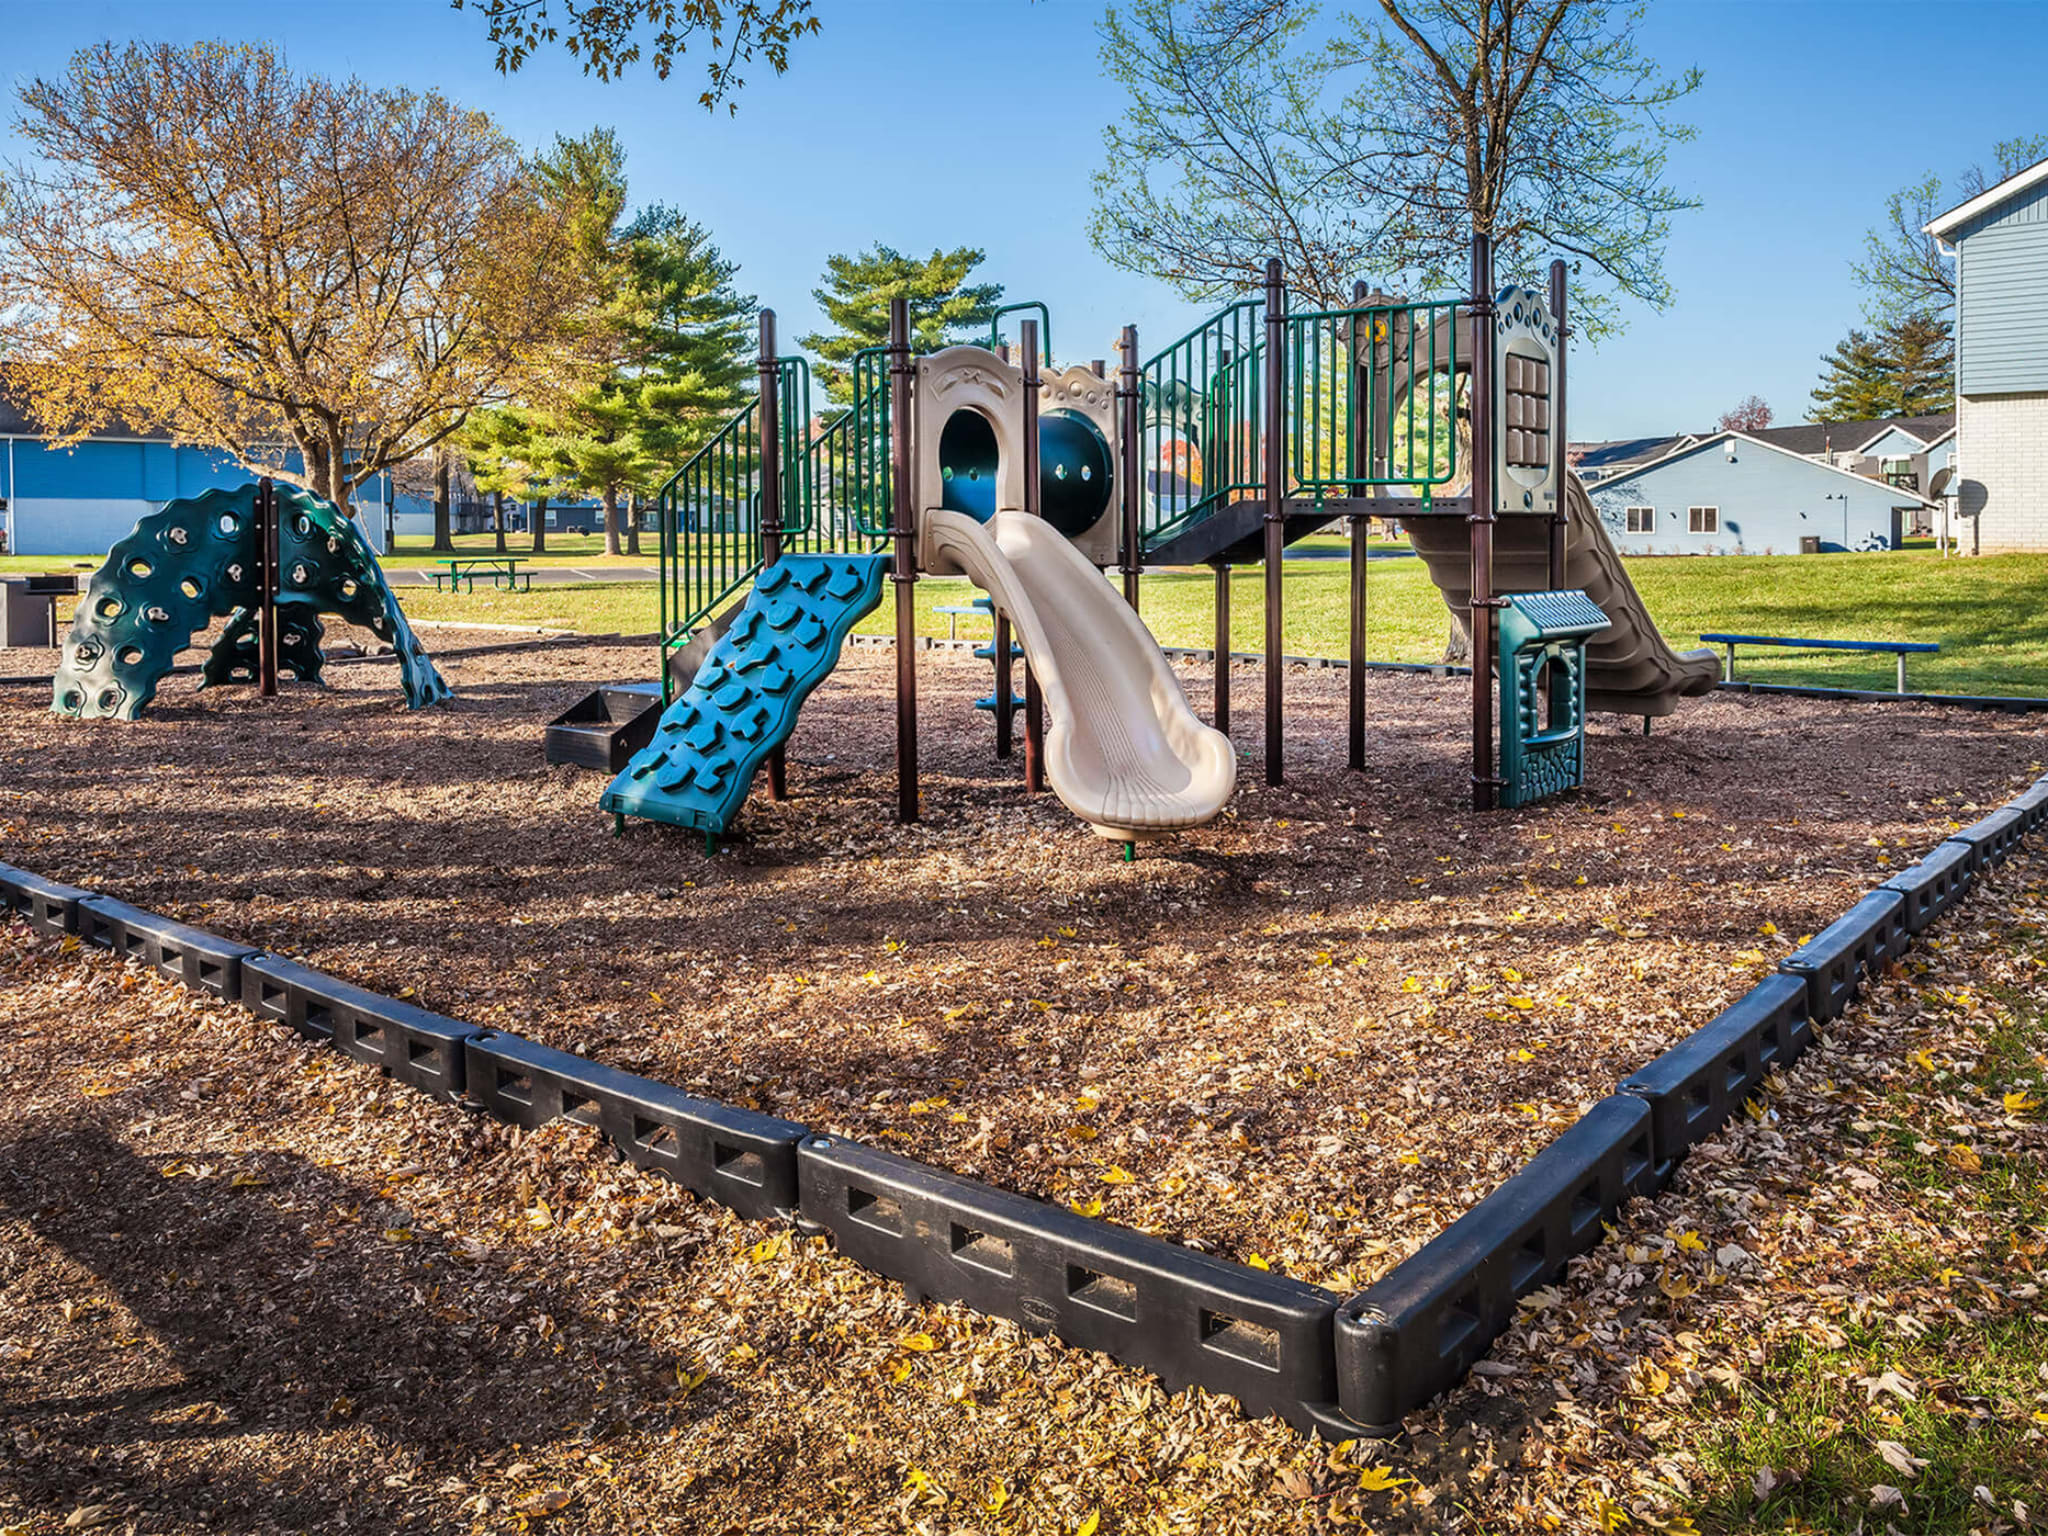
1905 369
944 306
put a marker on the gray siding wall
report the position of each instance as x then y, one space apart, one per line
1768 503
2002 297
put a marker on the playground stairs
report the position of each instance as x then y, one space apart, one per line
605 727
743 701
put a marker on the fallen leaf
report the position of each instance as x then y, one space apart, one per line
1899 1459
1380 1479
539 1506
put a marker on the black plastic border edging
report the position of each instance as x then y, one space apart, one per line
1419 1328
1696 1086
1184 1316
1935 884
1833 962
193 956
1992 837
418 1048
736 1157
49 907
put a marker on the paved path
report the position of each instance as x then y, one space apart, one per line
543 575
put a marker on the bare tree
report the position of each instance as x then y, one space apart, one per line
1380 152
1752 413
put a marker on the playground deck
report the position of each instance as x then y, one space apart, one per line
1314 1031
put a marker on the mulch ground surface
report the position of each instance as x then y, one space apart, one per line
248 1286
1308 1035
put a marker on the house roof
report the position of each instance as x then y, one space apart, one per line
1811 437
1607 456
1689 449
2020 181
16 422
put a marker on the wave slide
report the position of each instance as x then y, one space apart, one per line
1122 748
1631 668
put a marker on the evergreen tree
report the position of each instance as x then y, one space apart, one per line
1905 369
944 306
690 342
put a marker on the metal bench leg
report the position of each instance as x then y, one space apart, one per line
1729 676
1902 671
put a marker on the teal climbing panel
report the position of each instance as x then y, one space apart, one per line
1543 661
744 700
196 559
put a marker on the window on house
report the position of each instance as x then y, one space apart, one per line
1703 519
1641 519
1528 400
1899 472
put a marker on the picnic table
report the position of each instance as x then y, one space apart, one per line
503 570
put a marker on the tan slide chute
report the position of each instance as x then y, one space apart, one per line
1122 748
1631 668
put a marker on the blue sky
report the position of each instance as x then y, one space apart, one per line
978 122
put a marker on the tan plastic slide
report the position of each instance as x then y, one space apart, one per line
1631 669
1122 748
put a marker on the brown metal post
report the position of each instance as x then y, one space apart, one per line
1034 700
1223 646
268 559
770 419
1276 505
903 531
1484 428
1560 464
1129 427
1360 527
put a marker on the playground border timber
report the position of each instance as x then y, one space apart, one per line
1280 1346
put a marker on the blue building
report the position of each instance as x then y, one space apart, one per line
1733 493
2000 241
82 499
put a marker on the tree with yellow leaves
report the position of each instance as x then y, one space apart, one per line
321 278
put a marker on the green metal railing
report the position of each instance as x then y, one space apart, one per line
1403 433
835 494
995 321
1202 420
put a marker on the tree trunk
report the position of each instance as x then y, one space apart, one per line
444 530
498 517
632 522
611 520
540 526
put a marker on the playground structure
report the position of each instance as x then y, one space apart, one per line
1258 427
270 560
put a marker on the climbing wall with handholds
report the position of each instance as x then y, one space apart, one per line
744 700
198 559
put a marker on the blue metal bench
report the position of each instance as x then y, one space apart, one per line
1898 649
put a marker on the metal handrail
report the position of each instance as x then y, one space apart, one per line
1202 419
1339 444
1044 328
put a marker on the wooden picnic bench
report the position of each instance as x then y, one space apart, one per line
504 571
1898 649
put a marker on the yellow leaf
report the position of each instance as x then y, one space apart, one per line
656 996
100 1090
409 992
689 1380
1092 1206
1410 1158
1257 1261
899 1368
1924 1060
769 1248
248 1181
1608 1515
1172 1184
1768 930
923 1343
1690 1242
1948 1277
1523 1055
1087 1527
1115 1173
1524 1003
1380 1479
1410 984
1675 1285
998 1496
2020 1103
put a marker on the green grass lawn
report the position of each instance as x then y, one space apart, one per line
1988 614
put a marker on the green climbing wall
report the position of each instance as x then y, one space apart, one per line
197 560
